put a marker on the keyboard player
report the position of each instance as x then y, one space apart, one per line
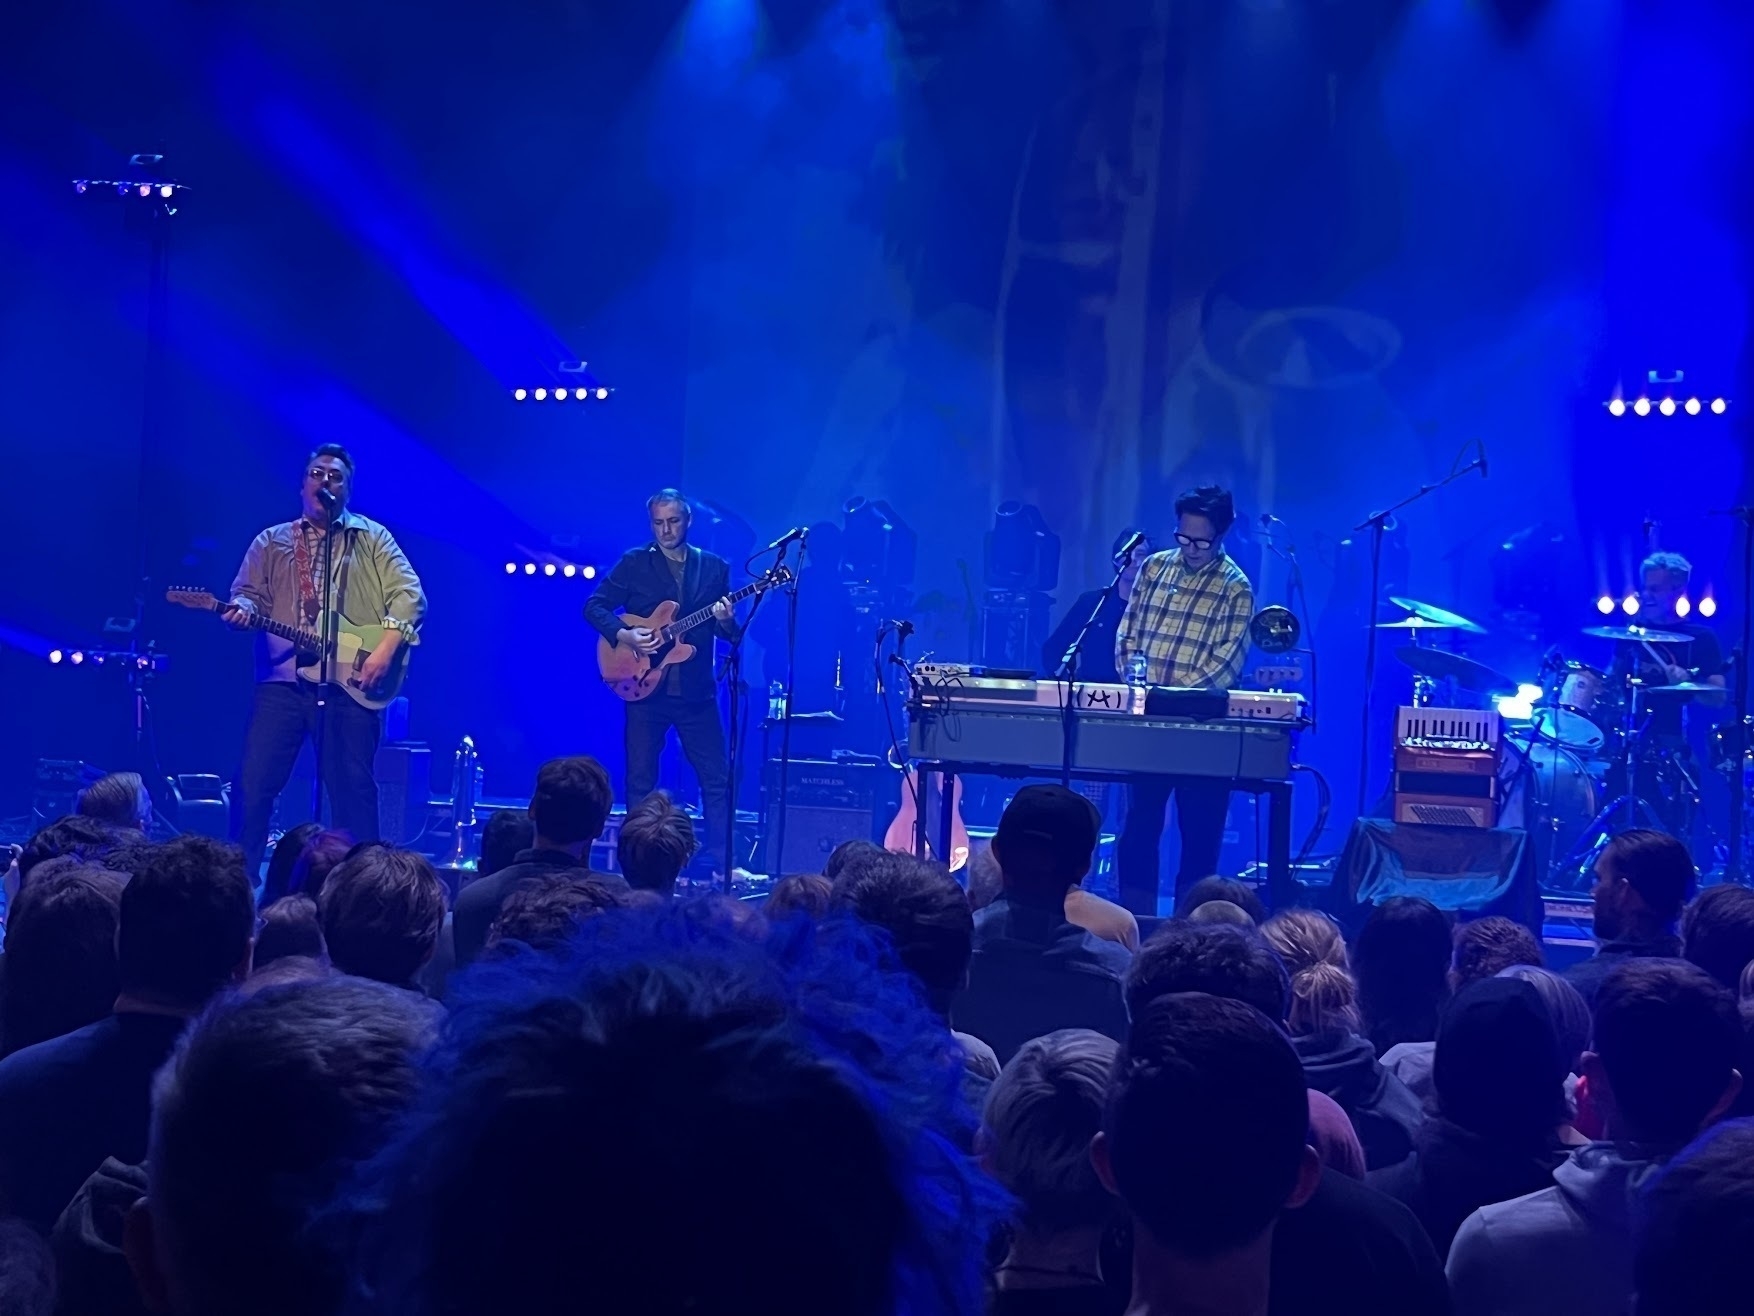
1188 616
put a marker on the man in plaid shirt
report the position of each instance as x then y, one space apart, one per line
1189 615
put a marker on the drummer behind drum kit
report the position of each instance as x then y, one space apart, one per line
1546 771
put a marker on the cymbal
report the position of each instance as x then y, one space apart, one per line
1414 624
1437 616
1444 666
1684 688
1635 634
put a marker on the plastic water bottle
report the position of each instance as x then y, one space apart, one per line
776 702
1138 682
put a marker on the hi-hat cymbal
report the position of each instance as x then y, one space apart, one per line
1684 688
1635 634
1414 624
1437 616
1444 666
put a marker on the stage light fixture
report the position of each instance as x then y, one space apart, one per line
529 568
76 657
560 395
1616 407
1605 604
569 571
1692 406
1667 406
55 655
144 189
1529 693
519 394
165 190
1629 605
1641 407
1719 406
602 394
1513 708
1683 606
541 394
122 189
511 568
1707 606
548 569
589 573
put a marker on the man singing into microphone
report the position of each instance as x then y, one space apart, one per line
670 568
282 580
1189 617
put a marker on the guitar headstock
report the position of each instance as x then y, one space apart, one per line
192 598
778 575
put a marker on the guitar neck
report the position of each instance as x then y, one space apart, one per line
682 625
303 638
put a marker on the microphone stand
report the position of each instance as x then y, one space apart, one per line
778 851
332 506
1068 671
1376 523
1735 870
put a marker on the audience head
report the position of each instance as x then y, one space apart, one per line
985 881
27 1271
60 952
924 912
83 838
1211 958
185 925
1566 1007
287 971
1695 1226
1400 961
656 842
741 1080
801 893
317 860
119 799
571 802
1194 1065
544 911
290 926
284 858
127 855
505 835
1487 946
1717 932
381 911
1498 1070
849 852
230 1219
1323 996
1662 1063
1214 888
1643 878
1335 1139
1046 838
1041 1113
1221 911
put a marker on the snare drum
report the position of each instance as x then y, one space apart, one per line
1584 713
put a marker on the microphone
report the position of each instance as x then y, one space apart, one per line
330 501
795 533
1268 521
903 629
1480 461
1131 546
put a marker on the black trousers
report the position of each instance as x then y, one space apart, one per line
702 737
281 716
1201 804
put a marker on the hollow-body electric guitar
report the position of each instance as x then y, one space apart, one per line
633 675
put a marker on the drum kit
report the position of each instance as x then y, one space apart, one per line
1569 737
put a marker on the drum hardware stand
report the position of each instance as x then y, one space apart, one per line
1736 867
1602 826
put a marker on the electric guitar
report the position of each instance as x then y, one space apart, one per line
633 675
352 645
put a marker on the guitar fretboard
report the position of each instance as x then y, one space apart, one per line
682 625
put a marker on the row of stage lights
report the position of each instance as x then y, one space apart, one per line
1666 407
566 571
125 188
1629 605
599 394
145 662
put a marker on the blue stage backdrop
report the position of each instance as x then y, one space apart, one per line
935 252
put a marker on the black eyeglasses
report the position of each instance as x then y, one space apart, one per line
1188 541
330 475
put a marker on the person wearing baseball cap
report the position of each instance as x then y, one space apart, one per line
1033 971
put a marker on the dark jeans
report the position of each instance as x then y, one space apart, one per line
1201 804
703 743
282 715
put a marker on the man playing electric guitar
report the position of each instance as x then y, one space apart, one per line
281 580
669 568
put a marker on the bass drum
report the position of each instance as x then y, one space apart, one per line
1551 791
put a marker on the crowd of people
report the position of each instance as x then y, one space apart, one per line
339 1087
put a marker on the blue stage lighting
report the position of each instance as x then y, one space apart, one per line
1641 407
1719 406
1605 604
1616 407
1707 606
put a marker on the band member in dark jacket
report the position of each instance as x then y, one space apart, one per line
669 568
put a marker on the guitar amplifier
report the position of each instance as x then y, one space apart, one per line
827 802
404 775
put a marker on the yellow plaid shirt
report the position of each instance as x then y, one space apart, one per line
1192 626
